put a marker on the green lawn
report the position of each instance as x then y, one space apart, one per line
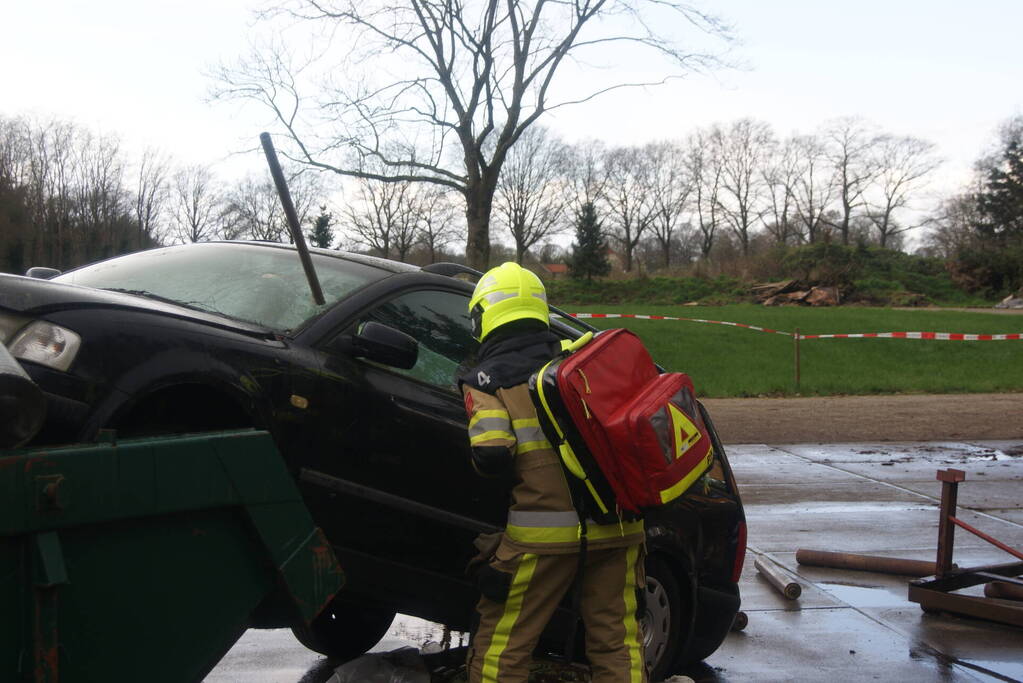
728 361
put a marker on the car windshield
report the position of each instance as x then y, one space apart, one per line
260 284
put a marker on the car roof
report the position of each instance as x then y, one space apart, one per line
374 261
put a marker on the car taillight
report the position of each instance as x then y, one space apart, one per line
740 552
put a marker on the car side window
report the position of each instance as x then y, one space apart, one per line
439 321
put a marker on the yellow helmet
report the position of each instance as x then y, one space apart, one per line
504 294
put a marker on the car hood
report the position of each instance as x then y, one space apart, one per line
33 297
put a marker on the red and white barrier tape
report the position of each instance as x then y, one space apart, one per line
941 336
668 317
938 336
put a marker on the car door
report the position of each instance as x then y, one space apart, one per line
404 433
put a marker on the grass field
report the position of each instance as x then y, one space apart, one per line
728 361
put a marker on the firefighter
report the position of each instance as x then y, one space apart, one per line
537 557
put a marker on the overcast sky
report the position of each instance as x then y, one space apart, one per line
944 70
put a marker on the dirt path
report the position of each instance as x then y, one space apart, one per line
839 419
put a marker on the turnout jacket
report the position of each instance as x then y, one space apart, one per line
505 436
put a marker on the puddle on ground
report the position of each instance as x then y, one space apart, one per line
991 456
865 596
1003 670
982 669
827 508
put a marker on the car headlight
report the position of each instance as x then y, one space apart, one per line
47 344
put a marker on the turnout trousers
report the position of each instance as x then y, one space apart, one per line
502 647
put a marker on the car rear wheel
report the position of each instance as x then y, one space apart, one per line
665 620
345 630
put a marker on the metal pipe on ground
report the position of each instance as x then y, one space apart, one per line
776 576
1003 590
866 563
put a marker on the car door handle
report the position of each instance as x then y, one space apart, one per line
414 410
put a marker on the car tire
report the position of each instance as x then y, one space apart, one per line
345 630
666 618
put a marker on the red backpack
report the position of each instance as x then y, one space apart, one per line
633 437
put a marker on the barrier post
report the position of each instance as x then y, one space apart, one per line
795 342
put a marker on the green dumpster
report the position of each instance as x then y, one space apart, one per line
144 560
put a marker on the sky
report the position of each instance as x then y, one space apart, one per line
943 70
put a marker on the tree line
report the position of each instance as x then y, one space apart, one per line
671 202
70 196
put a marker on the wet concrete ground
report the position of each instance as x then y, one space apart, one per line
879 499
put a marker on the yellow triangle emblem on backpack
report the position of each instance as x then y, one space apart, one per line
685 432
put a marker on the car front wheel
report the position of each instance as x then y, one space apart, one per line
345 630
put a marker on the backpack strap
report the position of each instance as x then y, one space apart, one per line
568 457
569 345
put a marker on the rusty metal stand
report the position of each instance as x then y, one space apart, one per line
935 593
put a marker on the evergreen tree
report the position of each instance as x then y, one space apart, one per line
1000 201
589 253
991 263
322 235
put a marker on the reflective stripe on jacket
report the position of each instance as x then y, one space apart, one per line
542 518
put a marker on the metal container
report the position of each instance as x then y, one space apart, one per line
144 560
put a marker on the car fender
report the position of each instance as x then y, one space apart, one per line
176 368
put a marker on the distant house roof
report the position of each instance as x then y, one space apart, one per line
555 268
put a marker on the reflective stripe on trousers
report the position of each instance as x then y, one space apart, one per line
512 609
508 632
527 526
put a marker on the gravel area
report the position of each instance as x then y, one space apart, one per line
838 419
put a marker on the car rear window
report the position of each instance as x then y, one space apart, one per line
260 284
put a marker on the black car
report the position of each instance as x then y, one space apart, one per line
359 395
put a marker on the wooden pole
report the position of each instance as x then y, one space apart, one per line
775 576
866 563
949 479
1003 590
795 342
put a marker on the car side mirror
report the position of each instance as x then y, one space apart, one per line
382 344
41 272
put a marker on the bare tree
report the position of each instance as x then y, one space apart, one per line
151 195
530 197
552 252
197 204
628 198
71 190
102 224
252 207
439 91
850 145
438 221
744 149
53 176
814 189
904 162
953 225
704 166
384 217
586 173
671 185
780 174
